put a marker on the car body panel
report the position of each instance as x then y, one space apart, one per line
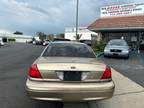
48 66
63 91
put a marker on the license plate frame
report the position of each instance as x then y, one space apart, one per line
72 76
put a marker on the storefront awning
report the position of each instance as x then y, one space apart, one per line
118 23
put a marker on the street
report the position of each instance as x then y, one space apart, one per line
17 58
15 62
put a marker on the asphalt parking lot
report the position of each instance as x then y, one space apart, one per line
132 68
15 62
17 58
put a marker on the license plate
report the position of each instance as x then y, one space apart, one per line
115 54
72 76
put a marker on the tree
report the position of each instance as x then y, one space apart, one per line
18 33
77 38
50 37
42 36
61 35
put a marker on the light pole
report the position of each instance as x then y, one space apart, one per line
77 16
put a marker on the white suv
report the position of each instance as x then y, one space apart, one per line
1 43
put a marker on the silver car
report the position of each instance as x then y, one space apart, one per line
69 71
117 47
46 42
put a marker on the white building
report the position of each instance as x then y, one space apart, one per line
85 34
6 37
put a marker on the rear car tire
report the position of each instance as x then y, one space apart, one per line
127 57
106 56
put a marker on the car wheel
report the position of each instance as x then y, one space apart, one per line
127 57
105 56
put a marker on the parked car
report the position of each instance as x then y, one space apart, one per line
46 42
69 71
36 42
1 43
60 39
117 47
29 42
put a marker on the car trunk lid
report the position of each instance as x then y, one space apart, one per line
70 69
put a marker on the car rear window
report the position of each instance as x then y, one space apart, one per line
118 43
68 50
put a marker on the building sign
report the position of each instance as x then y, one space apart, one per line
122 10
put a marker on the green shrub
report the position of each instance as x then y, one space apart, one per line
99 46
11 40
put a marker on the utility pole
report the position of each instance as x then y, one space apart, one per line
77 16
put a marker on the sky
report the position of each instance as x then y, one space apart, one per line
49 16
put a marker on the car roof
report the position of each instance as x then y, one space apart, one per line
61 39
68 42
117 40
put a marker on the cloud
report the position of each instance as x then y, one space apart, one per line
38 9
50 16
18 7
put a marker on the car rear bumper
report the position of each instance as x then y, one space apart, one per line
116 54
56 91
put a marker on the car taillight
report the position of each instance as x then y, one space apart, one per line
107 73
34 72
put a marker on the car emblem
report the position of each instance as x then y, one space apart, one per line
73 67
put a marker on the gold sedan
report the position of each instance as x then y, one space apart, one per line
69 71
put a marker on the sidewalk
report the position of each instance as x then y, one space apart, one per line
127 94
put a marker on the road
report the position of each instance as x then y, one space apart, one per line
15 62
132 68
17 58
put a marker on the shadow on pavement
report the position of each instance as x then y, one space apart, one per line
48 104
